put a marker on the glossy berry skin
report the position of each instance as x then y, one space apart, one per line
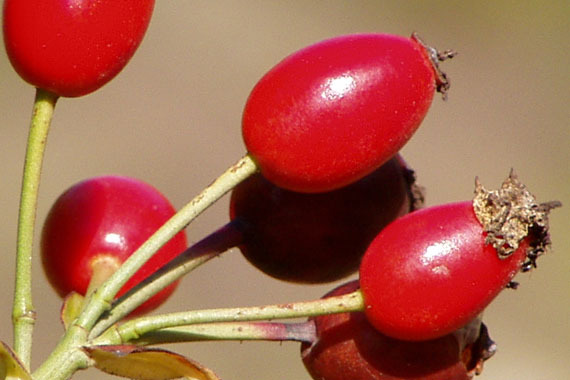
72 48
108 216
430 272
315 238
348 347
333 112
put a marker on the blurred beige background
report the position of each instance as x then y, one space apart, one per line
172 118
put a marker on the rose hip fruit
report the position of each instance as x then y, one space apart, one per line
348 347
333 112
96 225
314 238
430 272
72 48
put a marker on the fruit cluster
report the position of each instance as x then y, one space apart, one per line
321 194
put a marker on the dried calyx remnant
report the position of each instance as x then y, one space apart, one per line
435 56
510 214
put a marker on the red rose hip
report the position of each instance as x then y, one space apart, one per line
72 48
96 225
432 271
333 112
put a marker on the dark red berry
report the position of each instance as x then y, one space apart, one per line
317 237
348 347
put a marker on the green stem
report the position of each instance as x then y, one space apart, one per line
66 358
23 313
211 246
102 297
267 331
136 328
68 355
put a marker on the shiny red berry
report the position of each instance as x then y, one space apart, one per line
72 48
312 238
333 112
346 346
432 271
96 225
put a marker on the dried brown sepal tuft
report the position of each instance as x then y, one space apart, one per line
435 56
509 215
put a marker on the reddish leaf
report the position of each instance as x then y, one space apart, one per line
10 366
146 364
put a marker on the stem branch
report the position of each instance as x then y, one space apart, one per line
23 313
267 331
66 358
211 246
102 298
136 328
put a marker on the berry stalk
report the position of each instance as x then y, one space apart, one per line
266 331
136 328
23 313
211 246
275 229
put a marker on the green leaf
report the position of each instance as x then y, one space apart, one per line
71 308
10 366
146 364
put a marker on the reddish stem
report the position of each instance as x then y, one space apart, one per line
209 247
266 331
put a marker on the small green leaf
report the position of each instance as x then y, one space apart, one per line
146 364
71 308
10 366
